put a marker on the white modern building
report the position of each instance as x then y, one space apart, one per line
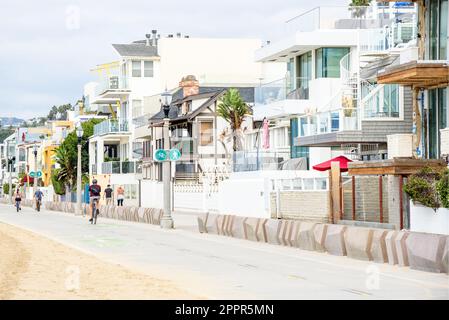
328 103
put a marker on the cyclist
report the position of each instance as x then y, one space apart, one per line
38 198
18 198
95 193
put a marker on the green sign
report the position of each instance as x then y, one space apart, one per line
35 174
160 155
175 155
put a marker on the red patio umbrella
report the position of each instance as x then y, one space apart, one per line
28 179
325 166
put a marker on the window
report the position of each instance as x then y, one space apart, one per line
206 133
304 75
137 69
137 108
327 62
148 69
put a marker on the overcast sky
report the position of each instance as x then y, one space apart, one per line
47 47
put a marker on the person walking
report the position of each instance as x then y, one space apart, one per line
120 196
18 199
108 195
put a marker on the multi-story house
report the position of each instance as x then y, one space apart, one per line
202 137
329 102
128 90
424 69
59 130
9 153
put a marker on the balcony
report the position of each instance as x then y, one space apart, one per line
121 167
111 127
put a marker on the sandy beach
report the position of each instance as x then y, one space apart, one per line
34 267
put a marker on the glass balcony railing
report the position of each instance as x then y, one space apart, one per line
111 82
283 89
346 17
121 167
111 126
328 122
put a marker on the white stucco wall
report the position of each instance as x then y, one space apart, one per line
424 219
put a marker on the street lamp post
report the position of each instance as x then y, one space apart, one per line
35 169
79 134
11 160
166 220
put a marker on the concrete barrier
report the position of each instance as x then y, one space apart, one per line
401 248
220 224
228 225
445 259
319 237
202 221
425 251
251 225
390 243
283 235
379 247
211 224
294 234
358 242
306 239
141 214
335 241
260 232
272 230
238 228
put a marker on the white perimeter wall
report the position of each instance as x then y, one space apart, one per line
423 219
152 194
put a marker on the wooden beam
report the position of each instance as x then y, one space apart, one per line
381 200
417 124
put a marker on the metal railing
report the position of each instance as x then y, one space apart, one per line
111 126
121 167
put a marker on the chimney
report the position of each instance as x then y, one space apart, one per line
148 36
190 86
154 32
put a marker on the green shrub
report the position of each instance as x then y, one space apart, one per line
443 189
422 187
6 188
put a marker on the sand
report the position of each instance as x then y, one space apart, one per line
34 267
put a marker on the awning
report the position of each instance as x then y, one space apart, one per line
419 74
27 179
325 166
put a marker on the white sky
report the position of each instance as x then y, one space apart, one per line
46 52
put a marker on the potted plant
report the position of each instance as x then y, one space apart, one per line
429 206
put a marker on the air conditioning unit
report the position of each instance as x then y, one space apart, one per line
445 142
400 146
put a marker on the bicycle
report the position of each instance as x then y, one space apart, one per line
94 211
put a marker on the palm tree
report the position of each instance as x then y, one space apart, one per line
67 172
233 109
358 7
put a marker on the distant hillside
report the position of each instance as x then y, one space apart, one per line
10 121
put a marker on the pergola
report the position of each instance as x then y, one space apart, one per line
398 167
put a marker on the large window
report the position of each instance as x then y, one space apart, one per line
137 69
327 62
206 133
304 75
137 108
148 69
297 152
